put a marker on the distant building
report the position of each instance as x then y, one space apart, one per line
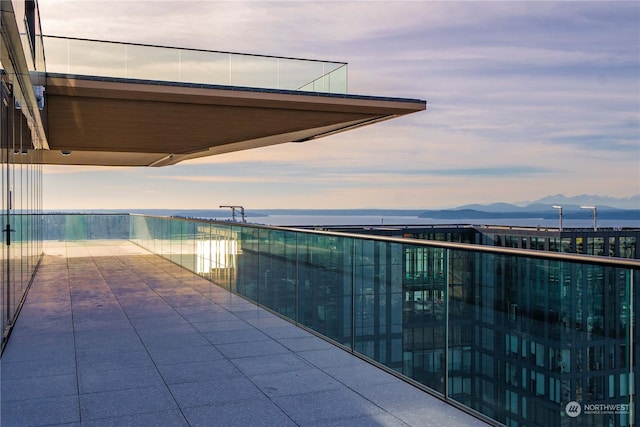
519 353
623 242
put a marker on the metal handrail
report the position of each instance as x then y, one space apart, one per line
531 253
194 49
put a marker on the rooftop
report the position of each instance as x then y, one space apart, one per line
111 334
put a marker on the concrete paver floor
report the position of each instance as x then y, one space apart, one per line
111 335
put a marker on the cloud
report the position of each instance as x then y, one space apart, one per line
524 98
220 179
61 169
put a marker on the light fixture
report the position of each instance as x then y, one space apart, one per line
66 152
560 211
594 213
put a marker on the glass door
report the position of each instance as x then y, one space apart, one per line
6 109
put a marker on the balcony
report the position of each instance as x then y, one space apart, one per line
125 104
111 334
109 59
506 335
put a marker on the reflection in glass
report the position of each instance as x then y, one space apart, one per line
215 254
205 67
143 62
513 337
89 58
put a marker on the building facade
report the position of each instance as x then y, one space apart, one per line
525 339
22 141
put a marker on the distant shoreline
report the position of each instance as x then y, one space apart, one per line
388 218
457 215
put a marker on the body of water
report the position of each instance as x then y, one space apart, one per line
335 220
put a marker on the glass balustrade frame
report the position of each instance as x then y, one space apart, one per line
74 56
514 335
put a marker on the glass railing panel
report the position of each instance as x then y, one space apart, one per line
203 250
108 227
330 82
248 263
378 302
152 63
520 338
424 315
220 256
205 67
526 336
366 294
338 80
325 286
296 74
139 231
88 58
121 60
278 272
254 71
154 240
40 58
158 239
57 54
174 244
167 241
76 227
70 227
188 245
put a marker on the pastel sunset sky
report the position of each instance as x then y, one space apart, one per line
525 99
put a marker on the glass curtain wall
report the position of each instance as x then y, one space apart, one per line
21 143
517 337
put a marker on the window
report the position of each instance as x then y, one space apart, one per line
612 246
628 247
487 338
511 401
595 246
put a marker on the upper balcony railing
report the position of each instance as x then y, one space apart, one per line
193 66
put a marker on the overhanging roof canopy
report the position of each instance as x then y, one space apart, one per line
125 122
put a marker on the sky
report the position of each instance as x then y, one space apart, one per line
524 100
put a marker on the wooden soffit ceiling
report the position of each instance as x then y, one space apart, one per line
129 123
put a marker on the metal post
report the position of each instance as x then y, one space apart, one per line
447 276
560 211
631 372
595 215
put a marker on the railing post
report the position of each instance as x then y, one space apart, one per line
631 376
446 322
353 294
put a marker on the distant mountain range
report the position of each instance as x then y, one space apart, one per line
568 203
607 207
